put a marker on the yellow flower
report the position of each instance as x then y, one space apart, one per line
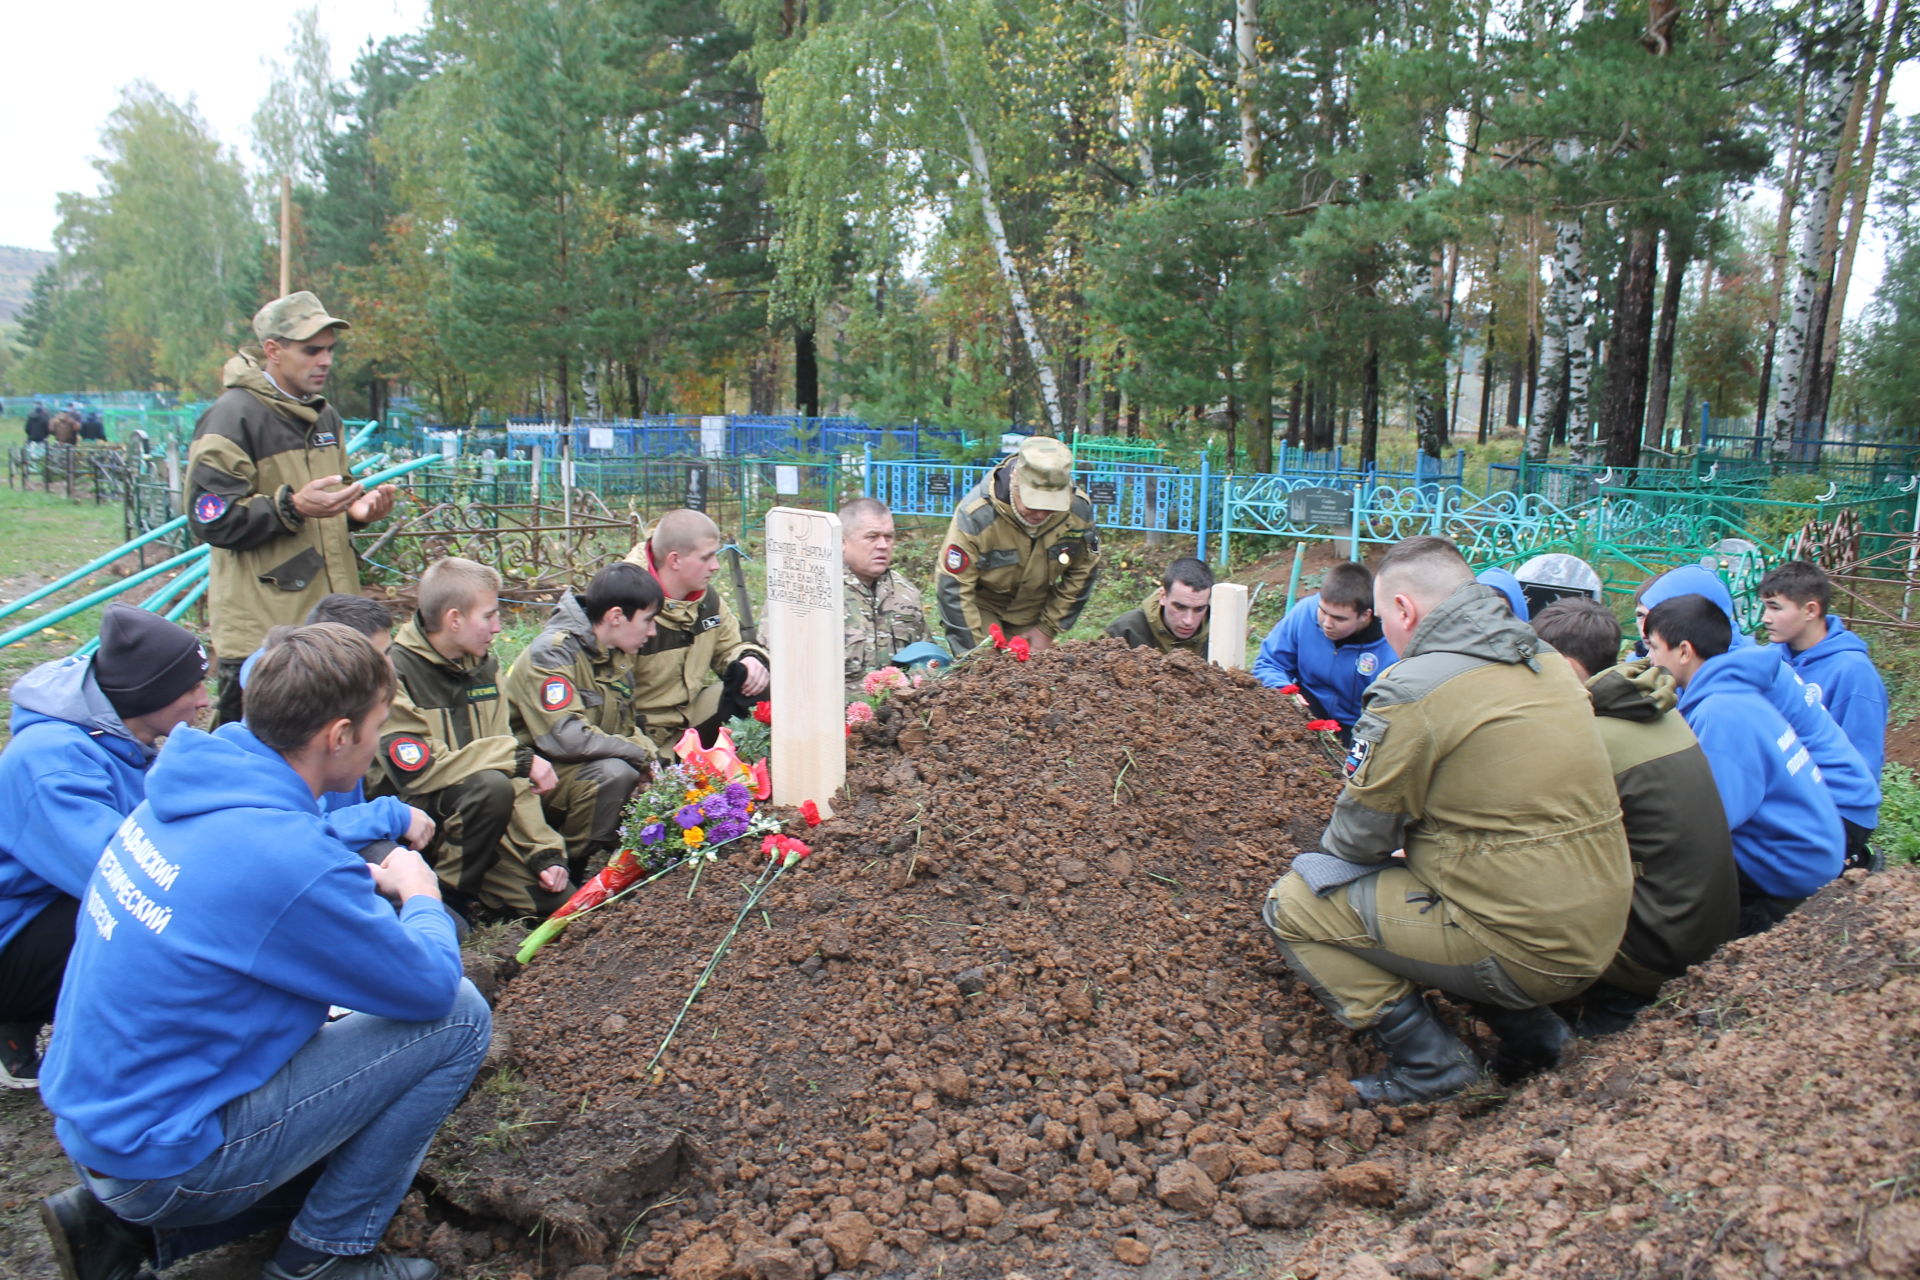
694 837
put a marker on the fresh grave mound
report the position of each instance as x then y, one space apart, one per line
1020 996
1763 1121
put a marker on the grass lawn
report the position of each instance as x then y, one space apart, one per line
44 535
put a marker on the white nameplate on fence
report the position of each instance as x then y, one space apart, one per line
786 480
599 437
1227 626
806 629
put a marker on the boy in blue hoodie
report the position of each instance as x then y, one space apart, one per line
1786 831
1834 663
194 1077
1330 645
1854 786
85 731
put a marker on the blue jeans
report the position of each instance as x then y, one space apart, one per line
331 1141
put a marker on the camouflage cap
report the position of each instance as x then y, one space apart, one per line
1045 472
297 316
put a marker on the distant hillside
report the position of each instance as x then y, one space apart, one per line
18 267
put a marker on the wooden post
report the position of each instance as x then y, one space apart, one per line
806 630
1227 623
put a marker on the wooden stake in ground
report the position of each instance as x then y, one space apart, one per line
1227 626
806 630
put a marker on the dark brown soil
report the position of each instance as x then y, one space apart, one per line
1763 1121
1018 1010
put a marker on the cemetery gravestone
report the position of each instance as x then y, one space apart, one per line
806 631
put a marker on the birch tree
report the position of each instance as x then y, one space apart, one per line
1833 55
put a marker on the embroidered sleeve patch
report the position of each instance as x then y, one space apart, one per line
408 754
1367 664
555 692
209 507
957 559
1357 755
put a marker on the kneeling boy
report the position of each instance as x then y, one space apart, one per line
194 1077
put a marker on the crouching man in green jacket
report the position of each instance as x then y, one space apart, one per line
1477 754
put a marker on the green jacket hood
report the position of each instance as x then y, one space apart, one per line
1476 621
245 371
570 616
1637 691
411 638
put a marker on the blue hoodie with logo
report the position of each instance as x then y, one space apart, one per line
1841 672
1787 837
1333 674
67 778
223 919
357 820
1854 786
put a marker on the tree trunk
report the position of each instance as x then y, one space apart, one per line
1370 403
1660 382
1830 216
1623 405
1835 95
1129 112
1859 185
1520 390
806 372
1294 434
1782 229
1259 364
982 174
1565 329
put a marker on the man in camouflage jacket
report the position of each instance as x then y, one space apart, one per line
571 693
264 487
884 613
1021 551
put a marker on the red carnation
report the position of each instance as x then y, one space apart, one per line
763 712
1289 688
1324 726
998 636
811 812
1020 648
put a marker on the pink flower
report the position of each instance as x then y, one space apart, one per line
859 713
885 678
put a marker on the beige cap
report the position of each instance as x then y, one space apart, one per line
1045 472
297 316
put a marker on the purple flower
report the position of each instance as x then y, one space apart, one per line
653 833
738 796
726 829
715 808
689 816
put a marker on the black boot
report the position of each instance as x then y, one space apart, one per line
89 1242
1425 1061
1530 1040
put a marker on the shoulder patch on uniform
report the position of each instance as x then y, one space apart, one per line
323 438
956 559
1356 755
709 622
555 693
209 507
1367 664
409 753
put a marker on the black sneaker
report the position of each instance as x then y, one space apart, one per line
19 1055
89 1242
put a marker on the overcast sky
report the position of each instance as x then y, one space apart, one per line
66 66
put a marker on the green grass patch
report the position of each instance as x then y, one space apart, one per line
1899 834
42 536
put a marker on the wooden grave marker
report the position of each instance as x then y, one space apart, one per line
806 630
1227 636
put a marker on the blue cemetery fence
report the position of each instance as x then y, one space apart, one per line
1202 504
